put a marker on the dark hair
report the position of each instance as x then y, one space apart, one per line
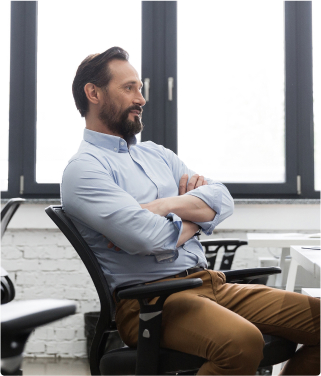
94 69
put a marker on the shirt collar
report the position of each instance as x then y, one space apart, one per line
107 141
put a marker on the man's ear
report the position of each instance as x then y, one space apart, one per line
92 93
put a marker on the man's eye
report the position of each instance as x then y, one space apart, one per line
128 88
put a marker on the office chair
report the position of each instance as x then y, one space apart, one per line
7 288
228 255
148 358
230 247
8 211
19 319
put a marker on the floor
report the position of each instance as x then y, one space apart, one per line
68 366
55 366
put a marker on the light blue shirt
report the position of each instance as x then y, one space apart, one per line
102 188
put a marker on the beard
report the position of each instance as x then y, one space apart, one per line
117 121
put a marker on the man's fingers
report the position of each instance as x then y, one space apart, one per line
199 182
111 245
182 184
192 182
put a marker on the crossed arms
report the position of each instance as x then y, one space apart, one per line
189 208
101 206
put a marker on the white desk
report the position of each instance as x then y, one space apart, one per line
314 292
283 241
309 259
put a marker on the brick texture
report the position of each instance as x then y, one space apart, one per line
42 264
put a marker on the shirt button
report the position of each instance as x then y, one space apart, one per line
122 143
115 149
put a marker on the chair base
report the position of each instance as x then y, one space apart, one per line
122 361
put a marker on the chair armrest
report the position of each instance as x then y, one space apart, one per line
152 290
29 314
18 319
150 318
208 242
247 275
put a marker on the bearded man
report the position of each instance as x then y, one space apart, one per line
138 207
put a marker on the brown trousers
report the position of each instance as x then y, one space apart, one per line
223 322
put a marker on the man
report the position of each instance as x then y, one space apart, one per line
138 207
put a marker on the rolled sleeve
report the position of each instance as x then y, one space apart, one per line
172 255
218 198
215 194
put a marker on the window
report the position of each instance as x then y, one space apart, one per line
63 42
265 78
231 90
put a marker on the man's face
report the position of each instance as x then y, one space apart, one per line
122 110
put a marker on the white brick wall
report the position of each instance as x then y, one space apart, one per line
42 264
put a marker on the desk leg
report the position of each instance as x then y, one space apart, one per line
276 369
280 278
290 284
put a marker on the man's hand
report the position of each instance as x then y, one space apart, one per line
194 182
190 209
111 245
187 207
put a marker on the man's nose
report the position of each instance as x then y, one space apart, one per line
140 100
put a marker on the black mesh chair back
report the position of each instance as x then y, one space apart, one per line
104 323
8 211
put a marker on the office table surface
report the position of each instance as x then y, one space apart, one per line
283 241
286 240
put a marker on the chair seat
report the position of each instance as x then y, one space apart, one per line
122 361
276 350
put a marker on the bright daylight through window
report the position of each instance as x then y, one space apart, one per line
65 38
5 92
231 90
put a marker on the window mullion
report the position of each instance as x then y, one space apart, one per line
17 95
171 74
305 97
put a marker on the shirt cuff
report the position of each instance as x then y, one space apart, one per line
208 227
212 196
172 254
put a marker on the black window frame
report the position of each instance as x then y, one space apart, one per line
159 62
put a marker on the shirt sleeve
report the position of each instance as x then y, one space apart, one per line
215 194
90 195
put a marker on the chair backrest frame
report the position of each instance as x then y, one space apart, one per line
56 213
8 211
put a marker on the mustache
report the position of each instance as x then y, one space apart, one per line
134 108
